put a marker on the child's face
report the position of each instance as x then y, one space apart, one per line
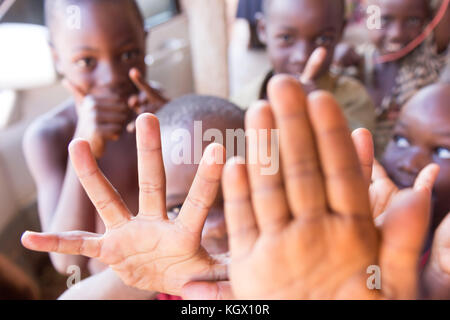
402 21
293 29
422 137
179 179
98 56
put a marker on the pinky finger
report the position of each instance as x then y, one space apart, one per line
241 222
73 243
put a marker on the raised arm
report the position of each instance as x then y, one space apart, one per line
62 203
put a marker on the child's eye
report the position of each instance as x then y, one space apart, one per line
401 142
176 209
413 22
129 55
443 153
385 20
324 41
86 63
286 38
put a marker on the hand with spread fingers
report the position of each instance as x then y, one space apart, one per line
149 251
307 232
148 100
99 119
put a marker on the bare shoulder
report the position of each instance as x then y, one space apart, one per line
49 135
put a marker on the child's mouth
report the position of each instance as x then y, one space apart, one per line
403 181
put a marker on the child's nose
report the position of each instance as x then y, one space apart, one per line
302 52
414 161
110 75
395 31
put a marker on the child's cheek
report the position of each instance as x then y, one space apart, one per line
82 80
280 59
389 158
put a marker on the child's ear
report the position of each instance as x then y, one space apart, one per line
261 28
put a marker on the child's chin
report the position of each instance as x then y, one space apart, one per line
402 181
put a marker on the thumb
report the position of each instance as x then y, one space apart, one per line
208 291
403 234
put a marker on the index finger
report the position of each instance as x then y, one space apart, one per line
346 189
105 198
139 81
313 65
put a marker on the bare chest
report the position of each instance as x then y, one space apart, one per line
119 165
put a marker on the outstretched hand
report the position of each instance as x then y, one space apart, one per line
307 232
149 251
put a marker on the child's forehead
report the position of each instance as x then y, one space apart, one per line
315 12
93 16
430 106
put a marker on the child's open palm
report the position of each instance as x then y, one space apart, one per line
149 251
307 232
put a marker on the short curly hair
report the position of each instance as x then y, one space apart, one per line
184 111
